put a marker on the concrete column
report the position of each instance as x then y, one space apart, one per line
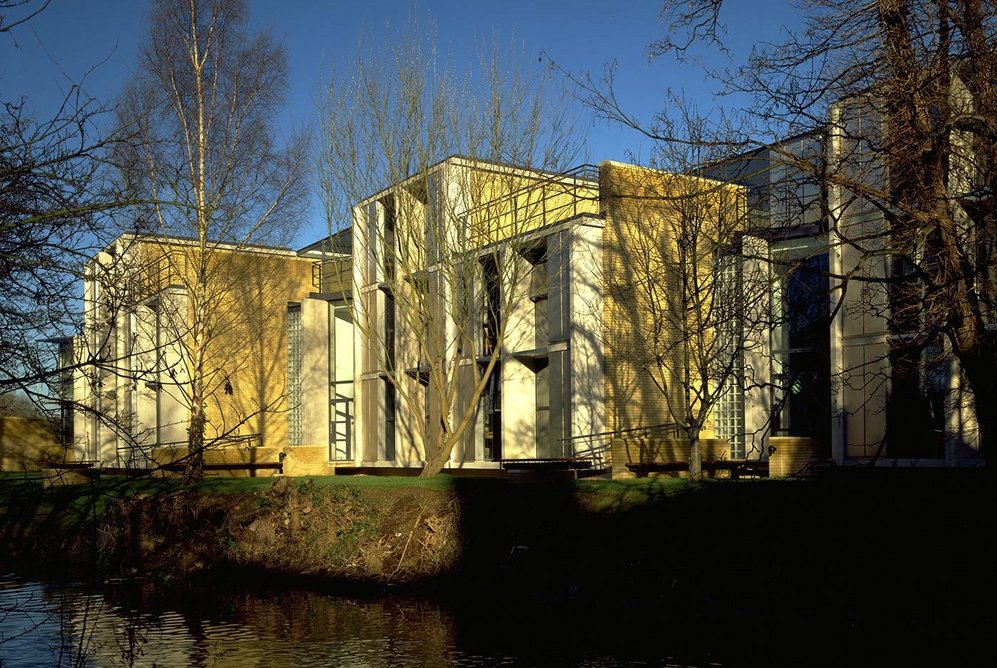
758 351
315 421
588 377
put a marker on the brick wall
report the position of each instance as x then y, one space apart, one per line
303 460
646 309
790 456
300 460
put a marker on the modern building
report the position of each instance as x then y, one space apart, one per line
844 366
787 395
492 299
899 396
484 314
262 312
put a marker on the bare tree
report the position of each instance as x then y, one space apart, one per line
902 91
443 248
55 206
24 11
686 300
894 94
203 106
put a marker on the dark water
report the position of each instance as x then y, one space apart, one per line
145 624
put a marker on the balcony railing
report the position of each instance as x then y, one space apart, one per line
332 275
538 203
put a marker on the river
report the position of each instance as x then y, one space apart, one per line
140 623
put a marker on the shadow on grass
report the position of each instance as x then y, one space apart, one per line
657 567
724 569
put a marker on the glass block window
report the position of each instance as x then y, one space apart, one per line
294 363
728 414
729 417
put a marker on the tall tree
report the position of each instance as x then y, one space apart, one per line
899 94
685 300
902 91
54 197
444 254
204 105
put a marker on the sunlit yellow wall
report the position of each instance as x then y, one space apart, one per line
507 203
28 444
641 219
246 367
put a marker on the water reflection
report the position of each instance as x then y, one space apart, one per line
142 624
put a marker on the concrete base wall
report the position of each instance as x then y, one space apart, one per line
300 460
661 450
790 455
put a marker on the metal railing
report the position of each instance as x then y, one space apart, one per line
536 204
341 408
598 445
246 441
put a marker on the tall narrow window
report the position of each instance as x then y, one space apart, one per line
390 397
434 218
543 410
539 292
371 240
390 409
294 364
800 342
388 240
729 415
341 382
492 315
492 398
389 331
427 413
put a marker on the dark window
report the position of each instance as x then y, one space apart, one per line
543 410
803 409
390 396
389 331
390 400
389 238
539 291
492 400
492 315
538 280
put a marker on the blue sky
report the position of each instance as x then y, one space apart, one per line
99 39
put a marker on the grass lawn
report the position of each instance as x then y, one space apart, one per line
615 493
237 485
891 491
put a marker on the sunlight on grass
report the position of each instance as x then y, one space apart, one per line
236 485
622 495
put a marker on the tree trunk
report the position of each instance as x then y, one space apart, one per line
695 454
194 471
979 368
436 461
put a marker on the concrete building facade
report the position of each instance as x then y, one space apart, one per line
546 247
264 314
484 304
